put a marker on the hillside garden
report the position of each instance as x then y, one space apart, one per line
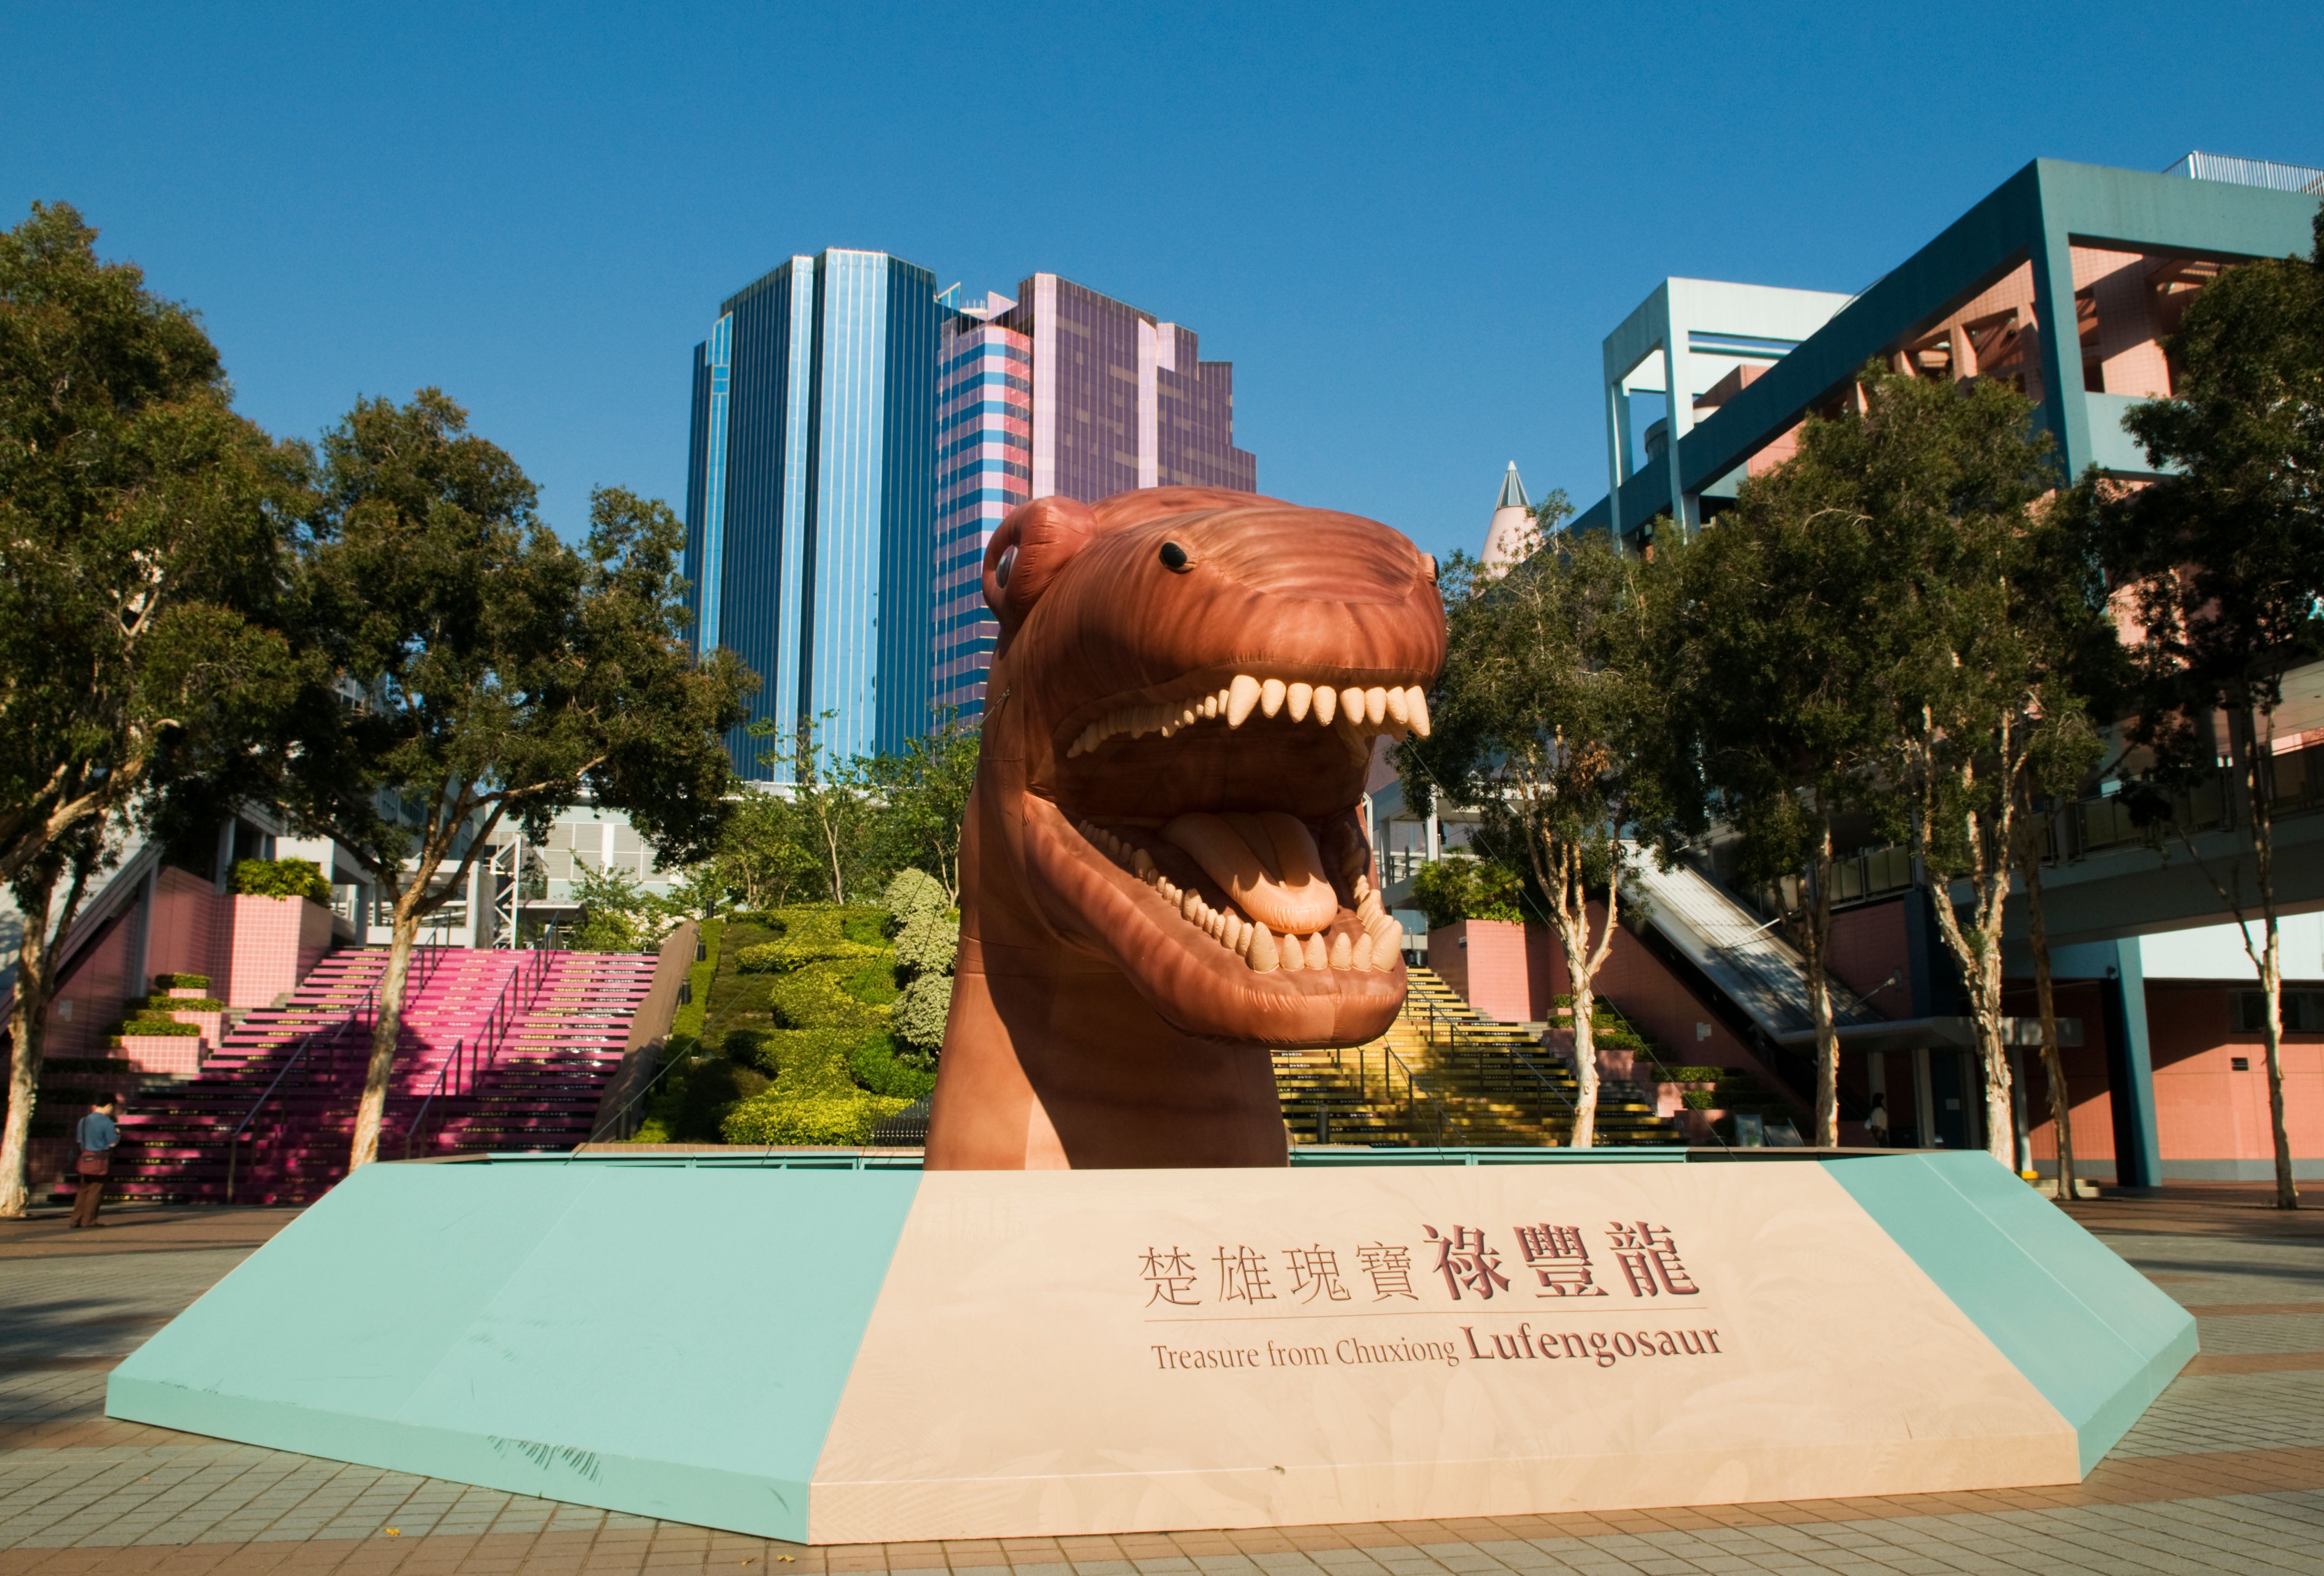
809 1023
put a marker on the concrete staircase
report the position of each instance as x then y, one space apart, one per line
498 1050
1444 1075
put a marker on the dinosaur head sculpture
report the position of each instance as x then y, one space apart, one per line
1163 873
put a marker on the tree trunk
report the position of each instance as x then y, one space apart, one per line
387 1027
2053 1065
1827 1036
1578 976
2259 756
2271 980
27 1023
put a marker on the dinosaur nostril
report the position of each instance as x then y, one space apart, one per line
1176 557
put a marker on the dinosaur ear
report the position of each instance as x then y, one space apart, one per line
1025 555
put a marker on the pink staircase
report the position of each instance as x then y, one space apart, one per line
498 1050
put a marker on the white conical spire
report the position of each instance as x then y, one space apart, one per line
1509 535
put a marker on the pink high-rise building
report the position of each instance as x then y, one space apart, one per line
1061 391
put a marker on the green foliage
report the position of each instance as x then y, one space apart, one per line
879 1066
169 1026
1551 720
919 1013
281 878
795 999
912 892
922 795
162 1005
502 674
182 982
874 984
1448 890
689 1017
928 943
619 915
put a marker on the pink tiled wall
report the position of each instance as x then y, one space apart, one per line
264 946
1484 961
184 916
165 1056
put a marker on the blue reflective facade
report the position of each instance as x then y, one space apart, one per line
810 499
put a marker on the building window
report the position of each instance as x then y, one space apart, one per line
2303 1011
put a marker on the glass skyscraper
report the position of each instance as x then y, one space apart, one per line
1062 391
810 507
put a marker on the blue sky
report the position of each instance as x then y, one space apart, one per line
1409 227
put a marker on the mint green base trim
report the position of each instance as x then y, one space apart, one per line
2097 1337
639 1339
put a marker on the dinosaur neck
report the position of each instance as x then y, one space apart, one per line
1053 1059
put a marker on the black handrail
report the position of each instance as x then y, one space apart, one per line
306 1043
470 1062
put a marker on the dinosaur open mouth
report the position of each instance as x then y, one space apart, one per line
1232 800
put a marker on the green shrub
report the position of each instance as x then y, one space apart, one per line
1699 1098
714 1088
837 1119
874 984
917 1018
1683 1074
155 1025
689 1021
749 1047
1448 890
281 878
929 943
182 982
910 894
878 1068
816 999
162 1005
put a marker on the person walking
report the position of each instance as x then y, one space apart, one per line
96 1134
1877 1119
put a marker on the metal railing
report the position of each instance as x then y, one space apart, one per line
1431 1022
364 1012
471 1060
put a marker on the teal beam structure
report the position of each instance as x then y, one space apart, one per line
2130 1073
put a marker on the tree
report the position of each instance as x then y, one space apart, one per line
471 668
144 525
2223 561
833 801
923 798
1780 697
1947 479
1537 724
1458 886
762 856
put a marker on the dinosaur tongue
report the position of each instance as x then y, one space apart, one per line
1268 864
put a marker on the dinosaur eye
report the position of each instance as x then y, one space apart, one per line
1430 559
1007 562
1176 557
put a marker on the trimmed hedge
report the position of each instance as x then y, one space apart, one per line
281 878
169 1026
928 943
912 893
878 1067
162 1005
919 1013
182 982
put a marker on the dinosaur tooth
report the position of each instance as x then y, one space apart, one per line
1400 710
1294 956
1260 952
1271 697
1352 702
1143 862
1361 957
1242 695
1361 885
1187 716
1318 956
1367 908
1376 705
1416 700
1327 701
1300 696
1209 707
1341 953
1387 945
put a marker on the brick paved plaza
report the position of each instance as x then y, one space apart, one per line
2226 1474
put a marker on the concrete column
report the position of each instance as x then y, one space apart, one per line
2130 1071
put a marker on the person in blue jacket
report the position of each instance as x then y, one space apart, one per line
96 1134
